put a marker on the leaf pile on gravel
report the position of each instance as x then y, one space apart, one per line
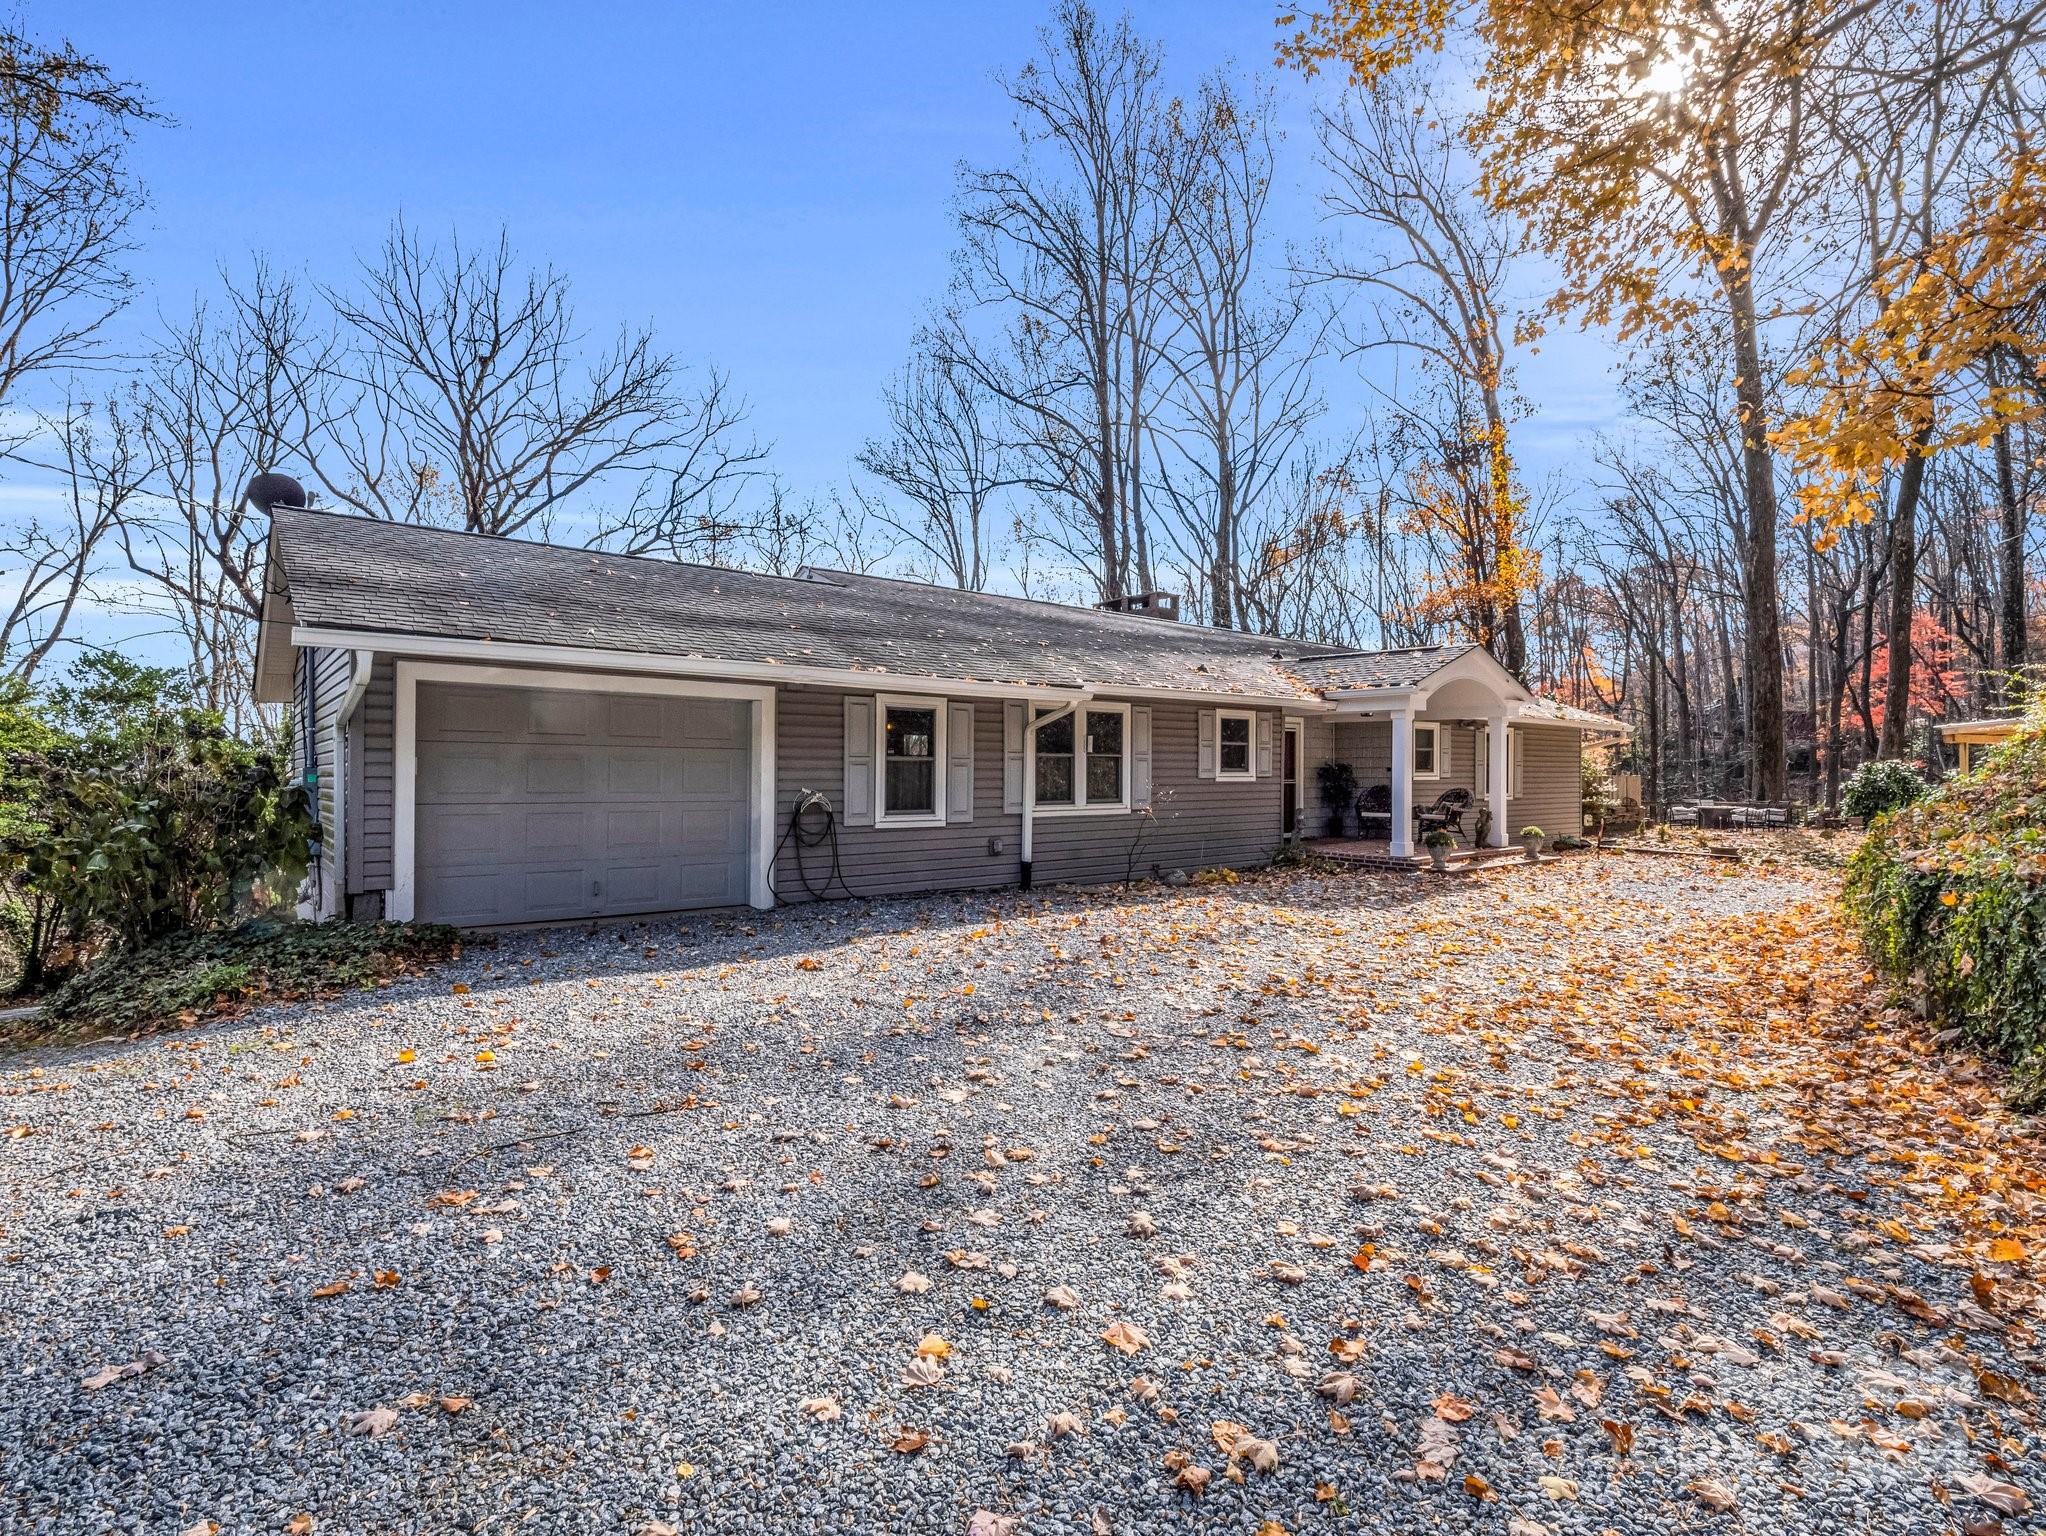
1599 1195
190 977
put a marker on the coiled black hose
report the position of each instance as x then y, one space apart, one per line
812 823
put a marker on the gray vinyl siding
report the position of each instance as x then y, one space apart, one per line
323 676
370 781
1196 823
1551 782
886 861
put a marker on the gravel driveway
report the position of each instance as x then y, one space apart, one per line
1517 1202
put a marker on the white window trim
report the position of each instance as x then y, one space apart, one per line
1081 805
935 817
1250 717
1439 737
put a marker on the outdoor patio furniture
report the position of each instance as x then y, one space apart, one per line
1446 812
1683 815
1374 811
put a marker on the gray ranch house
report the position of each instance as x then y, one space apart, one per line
499 731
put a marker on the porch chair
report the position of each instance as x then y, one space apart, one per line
1374 812
1446 812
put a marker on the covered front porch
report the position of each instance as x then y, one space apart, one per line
1390 763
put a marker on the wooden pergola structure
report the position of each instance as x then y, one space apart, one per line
1970 736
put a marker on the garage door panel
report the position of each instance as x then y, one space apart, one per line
558 771
466 899
709 723
633 717
457 838
557 712
632 888
632 829
554 833
458 710
537 804
709 832
637 773
548 893
713 773
463 772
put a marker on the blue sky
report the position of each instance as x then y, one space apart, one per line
769 186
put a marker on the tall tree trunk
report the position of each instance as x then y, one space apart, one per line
1903 602
1761 601
2011 549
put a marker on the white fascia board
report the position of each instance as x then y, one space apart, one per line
506 653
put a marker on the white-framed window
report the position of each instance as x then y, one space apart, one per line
1512 762
1083 760
1431 749
910 761
1235 744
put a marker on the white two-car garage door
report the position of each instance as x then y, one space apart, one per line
541 803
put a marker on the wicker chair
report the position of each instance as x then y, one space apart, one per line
1374 812
1446 812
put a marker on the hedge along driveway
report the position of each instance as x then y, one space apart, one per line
1949 896
1589 1195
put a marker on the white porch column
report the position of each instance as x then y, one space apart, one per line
1402 846
1495 732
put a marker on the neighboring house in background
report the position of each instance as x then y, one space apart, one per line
500 731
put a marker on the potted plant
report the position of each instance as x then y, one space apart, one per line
1531 839
1438 842
1338 785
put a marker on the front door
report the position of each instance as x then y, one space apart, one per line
1289 816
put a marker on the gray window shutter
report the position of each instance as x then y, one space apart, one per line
1140 756
857 810
1012 758
1206 766
959 763
1264 747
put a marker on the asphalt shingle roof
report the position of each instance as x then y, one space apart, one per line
352 573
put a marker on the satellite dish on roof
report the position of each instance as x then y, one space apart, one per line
273 488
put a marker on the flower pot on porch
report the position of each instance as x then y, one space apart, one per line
1531 839
1439 857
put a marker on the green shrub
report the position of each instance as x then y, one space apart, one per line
1949 896
134 814
1878 788
191 976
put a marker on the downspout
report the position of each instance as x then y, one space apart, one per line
358 685
1031 721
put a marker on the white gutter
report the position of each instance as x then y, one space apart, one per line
358 685
1031 721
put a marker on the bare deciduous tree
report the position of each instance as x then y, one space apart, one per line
1434 275
67 200
1067 249
225 393
943 454
51 559
478 401
1239 358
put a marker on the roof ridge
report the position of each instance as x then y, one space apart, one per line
513 541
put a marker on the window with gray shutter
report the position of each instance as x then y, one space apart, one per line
857 809
1012 758
959 763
